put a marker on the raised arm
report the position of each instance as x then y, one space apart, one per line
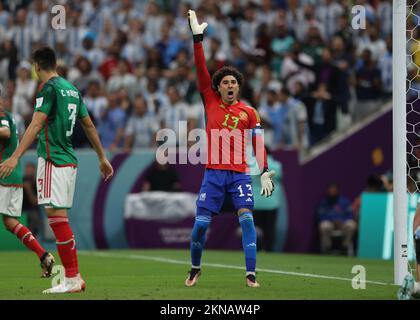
204 80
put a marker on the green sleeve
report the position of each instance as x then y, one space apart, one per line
4 121
45 99
83 112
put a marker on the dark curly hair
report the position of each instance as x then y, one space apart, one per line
226 71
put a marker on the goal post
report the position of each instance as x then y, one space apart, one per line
399 76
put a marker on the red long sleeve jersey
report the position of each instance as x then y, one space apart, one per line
228 127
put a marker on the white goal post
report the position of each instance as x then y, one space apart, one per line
399 75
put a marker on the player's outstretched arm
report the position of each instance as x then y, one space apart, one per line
204 80
38 120
106 168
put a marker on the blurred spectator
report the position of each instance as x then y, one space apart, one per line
38 20
122 77
93 14
4 16
111 61
30 200
280 45
264 39
172 112
371 41
168 45
341 59
134 50
75 30
125 12
25 92
21 33
385 66
249 26
125 101
345 32
155 99
8 60
295 131
313 44
64 52
83 73
272 116
141 128
93 54
95 101
328 13
162 177
111 123
107 34
335 214
153 23
303 20
297 67
368 81
262 81
322 111
385 17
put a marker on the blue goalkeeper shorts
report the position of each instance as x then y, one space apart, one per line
220 184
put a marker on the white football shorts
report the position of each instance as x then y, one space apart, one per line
11 199
55 185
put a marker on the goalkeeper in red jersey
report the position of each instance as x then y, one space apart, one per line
228 121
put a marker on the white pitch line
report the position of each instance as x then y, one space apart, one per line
217 265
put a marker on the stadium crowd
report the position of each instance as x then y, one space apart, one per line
304 64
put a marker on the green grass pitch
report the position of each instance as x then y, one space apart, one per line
160 275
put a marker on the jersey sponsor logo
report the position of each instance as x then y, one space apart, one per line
202 196
39 102
249 200
5 123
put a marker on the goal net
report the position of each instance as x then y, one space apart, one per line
403 245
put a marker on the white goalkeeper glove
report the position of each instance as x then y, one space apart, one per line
267 185
196 29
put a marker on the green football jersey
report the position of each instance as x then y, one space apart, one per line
63 104
7 147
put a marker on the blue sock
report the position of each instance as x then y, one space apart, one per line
198 237
249 240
